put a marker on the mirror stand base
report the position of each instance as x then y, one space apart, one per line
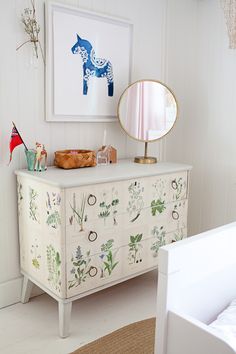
145 159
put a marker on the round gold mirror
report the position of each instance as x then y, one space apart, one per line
147 111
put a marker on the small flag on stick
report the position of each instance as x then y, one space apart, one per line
16 140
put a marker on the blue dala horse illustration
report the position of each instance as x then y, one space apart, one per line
93 66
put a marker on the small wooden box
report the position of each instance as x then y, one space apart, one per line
75 158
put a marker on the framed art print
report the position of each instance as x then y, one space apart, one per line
88 64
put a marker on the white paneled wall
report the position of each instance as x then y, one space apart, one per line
22 100
202 71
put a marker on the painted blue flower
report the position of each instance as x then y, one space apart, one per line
78 254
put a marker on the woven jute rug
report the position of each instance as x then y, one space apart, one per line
136 338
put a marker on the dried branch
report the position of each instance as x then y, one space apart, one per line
32 29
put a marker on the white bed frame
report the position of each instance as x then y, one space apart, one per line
197 280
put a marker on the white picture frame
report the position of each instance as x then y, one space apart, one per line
85 87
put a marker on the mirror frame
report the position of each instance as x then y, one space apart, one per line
119 102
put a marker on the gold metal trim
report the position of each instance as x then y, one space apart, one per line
145 160
118 115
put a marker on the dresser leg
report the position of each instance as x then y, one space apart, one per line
26 289
64 318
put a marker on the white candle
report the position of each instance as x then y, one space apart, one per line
104 137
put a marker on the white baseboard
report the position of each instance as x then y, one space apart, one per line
10 292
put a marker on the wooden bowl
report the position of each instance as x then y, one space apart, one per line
75 158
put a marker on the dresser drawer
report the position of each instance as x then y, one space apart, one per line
153 192
95 237
86 270
172 217
107 202
95 240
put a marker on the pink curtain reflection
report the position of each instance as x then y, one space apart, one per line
146 110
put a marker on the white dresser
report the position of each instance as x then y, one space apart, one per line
86 229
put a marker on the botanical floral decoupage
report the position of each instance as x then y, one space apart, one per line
101 205
34 205
54 268
136 202
179 186
159 196
53 209
80 267
86 269
158 240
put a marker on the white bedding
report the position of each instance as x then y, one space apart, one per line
225 324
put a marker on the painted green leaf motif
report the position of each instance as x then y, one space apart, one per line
79 212
134 247
159 234
107 266
157 206
114 265
139 237
35 263
115 202
105 210
136 203
54 220
35 254
58 261
81 266
76 264
104 214
132 239
53 263
108 257
106 206
107 246
179 235
33 206
19 189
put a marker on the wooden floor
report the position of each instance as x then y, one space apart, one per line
33 327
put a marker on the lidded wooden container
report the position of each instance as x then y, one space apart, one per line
75 158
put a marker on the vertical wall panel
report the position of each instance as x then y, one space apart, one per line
202 71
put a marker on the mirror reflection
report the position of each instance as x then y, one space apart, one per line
147 110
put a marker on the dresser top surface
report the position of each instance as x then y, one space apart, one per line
123 170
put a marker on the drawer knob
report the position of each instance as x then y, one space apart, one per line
93 271
175 215
174 184
92 236
92 199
